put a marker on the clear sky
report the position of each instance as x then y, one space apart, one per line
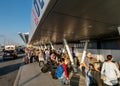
14 18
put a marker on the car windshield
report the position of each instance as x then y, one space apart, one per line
9 51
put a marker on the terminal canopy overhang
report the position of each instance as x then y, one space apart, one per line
54 20
24 37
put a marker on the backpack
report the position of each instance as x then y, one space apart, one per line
45 68
53 74
93 82
59 71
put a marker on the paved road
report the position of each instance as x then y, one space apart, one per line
9 70
0 58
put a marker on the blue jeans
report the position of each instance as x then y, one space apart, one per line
87 79
114 82
63 80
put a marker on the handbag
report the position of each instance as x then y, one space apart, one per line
103 77
93 82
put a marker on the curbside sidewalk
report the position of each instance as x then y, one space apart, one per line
31 75
18 75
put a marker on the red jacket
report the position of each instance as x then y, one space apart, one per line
65 70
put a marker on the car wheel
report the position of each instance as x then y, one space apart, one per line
3 58
15 57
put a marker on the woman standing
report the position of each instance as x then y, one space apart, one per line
111 72
41 58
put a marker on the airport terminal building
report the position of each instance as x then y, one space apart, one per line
77 23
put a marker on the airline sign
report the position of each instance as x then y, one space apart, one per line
38 9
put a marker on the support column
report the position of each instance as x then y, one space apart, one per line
40 47
70 55
45 47
84 51
68 50
51 45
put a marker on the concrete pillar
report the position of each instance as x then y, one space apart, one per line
84 51
51 45
68 50
70 55
45 47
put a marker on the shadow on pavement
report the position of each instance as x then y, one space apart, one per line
32 78
9 68
10 59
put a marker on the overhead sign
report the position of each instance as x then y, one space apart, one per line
38 9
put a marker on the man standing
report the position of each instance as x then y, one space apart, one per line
88 67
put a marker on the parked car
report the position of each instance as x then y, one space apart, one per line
9 54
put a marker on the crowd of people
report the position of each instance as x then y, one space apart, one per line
58 64
55 62
109 71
